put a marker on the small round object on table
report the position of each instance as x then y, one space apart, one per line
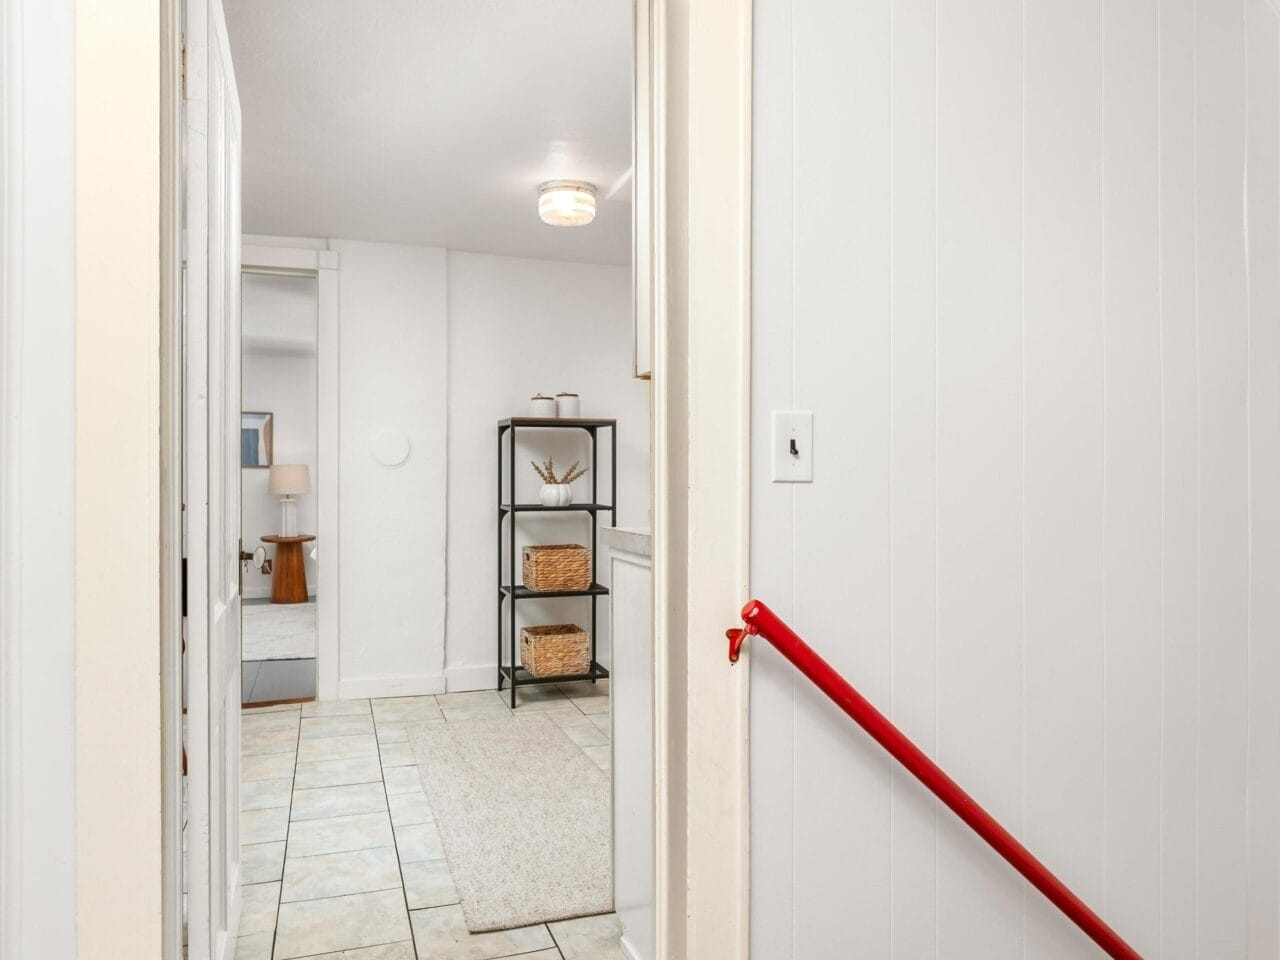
289 573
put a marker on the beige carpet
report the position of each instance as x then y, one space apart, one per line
278 631
524 817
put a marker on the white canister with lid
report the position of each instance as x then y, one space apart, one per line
568 406
540 406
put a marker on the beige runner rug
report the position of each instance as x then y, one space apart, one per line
524 816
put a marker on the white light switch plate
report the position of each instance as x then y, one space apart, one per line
792 429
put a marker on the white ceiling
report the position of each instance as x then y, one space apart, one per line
433 121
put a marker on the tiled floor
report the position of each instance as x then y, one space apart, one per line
340 857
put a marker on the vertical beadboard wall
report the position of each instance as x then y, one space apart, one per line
1022 260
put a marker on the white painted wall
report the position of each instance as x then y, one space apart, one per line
118 500
517 327
441 345
38 865
278 374
393 356
1021 262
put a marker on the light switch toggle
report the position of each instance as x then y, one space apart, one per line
792 446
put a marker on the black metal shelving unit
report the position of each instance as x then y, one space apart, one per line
509 592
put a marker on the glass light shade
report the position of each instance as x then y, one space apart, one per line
289 479
567 203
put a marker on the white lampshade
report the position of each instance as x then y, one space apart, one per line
567 203
289 479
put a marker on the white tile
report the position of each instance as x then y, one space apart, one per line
323 802
258 722
387 951
587 697
601 720
392 732
396 754
592 706
409 808
585 688
402 780
490 711
466 698
419 842
256 742
256 946
545 696
258 903
602 756
337 748
589 938
308 838
261 862
265 794
429 883
317 727
441 934
336 773
267 766
264 826
340 874
336 708
406 710
314 927
582 731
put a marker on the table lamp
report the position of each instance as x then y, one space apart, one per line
287 481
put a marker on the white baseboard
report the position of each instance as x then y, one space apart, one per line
483 677
360 688
629 950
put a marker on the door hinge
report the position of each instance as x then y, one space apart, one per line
182 46
184 586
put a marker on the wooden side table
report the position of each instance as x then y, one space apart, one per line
289 572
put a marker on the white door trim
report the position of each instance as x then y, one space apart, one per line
171 545
324 266
701 129
37 524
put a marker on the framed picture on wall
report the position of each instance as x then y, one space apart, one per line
255 438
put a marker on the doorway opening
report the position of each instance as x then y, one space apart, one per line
472 202
279 555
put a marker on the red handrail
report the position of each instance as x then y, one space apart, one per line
761 620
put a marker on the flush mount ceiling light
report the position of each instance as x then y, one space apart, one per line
567 203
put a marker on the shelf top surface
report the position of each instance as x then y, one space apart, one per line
540 508
521 592
580 422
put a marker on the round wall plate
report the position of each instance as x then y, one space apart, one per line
390 447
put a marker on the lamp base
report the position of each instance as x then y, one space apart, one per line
288 517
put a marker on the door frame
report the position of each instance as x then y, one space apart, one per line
37 524
272 260
699 145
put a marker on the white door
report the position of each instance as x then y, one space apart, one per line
212 483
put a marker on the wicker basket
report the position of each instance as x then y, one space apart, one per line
561 566
554 650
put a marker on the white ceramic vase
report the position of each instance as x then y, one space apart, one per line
556 495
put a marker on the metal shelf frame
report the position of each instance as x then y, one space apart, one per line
510 673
